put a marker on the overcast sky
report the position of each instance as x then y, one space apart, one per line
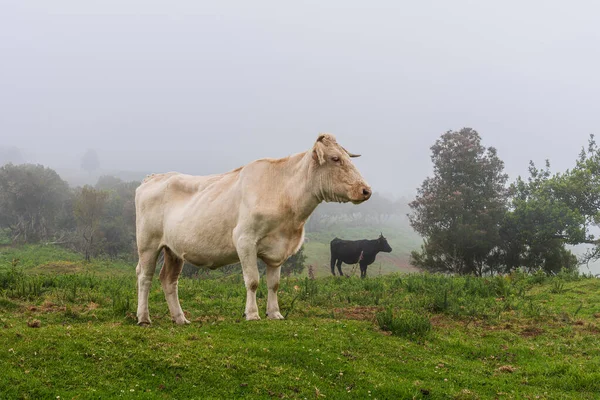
203 87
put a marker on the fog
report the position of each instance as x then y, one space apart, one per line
204 87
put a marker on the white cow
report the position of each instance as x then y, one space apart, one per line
256 211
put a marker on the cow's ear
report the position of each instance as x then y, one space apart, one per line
326 138
319 153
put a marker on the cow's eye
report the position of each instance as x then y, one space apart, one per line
335 159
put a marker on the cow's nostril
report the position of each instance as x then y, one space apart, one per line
366 192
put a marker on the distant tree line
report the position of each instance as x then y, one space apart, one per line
36 205
474 222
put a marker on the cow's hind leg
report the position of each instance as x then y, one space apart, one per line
273 274
169 277
145 272
339 267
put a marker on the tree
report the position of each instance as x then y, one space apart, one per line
579 190
295 264
458 211
115 238
89 209
109 182
89 161
117 227
549 212
538 224
31 200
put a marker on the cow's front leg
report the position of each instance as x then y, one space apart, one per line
273 274
145 271
363 271
247 253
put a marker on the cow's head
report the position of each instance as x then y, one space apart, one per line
383 244
336 178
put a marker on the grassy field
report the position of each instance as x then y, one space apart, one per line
73 335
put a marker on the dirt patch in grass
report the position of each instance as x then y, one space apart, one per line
507 368
531 331
589 327
442 321
35 323
359 313
60 267
48 307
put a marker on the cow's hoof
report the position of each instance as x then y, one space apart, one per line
252 317
181 321
275 315
144 323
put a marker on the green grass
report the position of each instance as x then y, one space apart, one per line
4 238
37 258
390 337
408 323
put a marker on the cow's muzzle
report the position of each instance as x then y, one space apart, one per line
364 194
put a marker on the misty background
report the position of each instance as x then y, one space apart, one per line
205 87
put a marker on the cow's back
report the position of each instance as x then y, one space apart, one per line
191 215
334 243
346 250
171 189
149 208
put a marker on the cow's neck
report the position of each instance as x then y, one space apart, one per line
375 247
303 200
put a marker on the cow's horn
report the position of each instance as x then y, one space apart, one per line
351 154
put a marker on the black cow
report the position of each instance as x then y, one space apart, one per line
356 251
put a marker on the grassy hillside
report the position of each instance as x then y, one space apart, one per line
402 239
391 337
40 259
